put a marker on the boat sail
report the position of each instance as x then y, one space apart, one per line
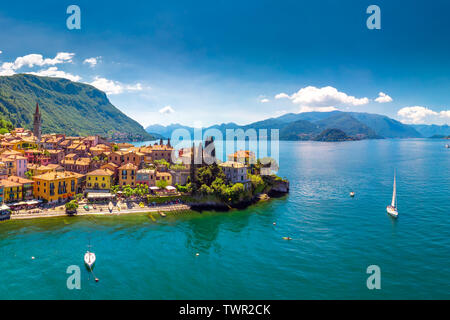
392 209
89 257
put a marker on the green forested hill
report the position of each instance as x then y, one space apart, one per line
66 107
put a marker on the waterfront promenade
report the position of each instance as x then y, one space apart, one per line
102 210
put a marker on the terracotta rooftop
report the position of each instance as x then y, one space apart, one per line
100 172
19 180
111 164
50 176
7 183
128 166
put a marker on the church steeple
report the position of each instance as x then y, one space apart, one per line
37 123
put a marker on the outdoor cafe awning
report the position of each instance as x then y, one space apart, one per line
171 188
98 195
154 188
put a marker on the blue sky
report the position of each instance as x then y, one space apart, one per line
210 62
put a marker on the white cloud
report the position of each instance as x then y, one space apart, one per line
265 100
6 70
319 109
108 86
32 60
135 87
321 99
92 61
282 96
166 110
383 98
419 115
114 87
445 114
54 72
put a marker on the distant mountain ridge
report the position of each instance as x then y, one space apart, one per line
309 126
67 107
432 130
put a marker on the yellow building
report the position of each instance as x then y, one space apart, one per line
56 186
24 144
127 175
164 176
100 179
12 191
37 170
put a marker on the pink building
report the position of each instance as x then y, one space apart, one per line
19 164
38 157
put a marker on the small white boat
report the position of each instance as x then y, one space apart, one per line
392 209
89 259
352 194
447 146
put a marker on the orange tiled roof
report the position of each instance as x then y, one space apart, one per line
19 180
100 172
111 164
51 176
128 166
7 183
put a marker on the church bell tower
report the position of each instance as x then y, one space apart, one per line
37 124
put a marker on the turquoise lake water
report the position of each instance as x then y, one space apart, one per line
242 254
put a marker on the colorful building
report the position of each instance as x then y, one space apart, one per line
235 171
146 176
19 165
243 156
127 174
100 179
56 186
80 165
27 186
56 156
12 191
129 156
164 176
160 152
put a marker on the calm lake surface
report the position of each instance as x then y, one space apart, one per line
242 254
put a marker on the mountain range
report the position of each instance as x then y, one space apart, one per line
310 126
81 109
67 107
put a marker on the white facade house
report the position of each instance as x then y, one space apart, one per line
235 172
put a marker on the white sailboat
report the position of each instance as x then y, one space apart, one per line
89 259
392 209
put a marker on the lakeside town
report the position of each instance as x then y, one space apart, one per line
44 175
